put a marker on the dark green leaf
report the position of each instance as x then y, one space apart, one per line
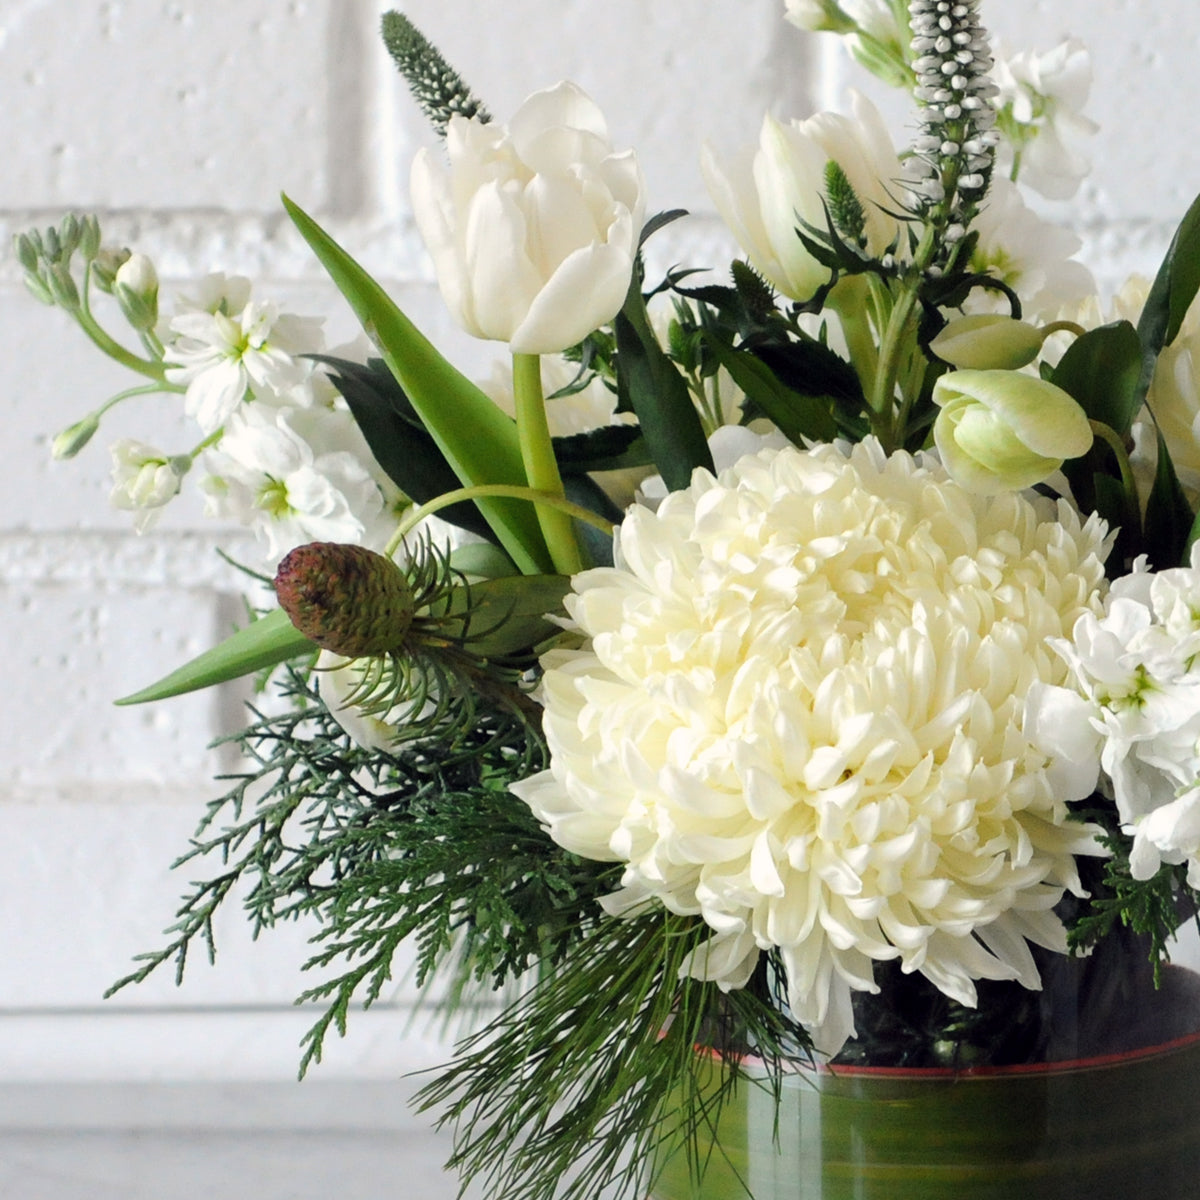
1101 371
653 388
1169 516
1174 286
608 448
264 643
660 221
400 444
798 415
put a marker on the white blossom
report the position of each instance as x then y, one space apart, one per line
798 715
144 480
1041 98
222 355
1033 256
296 475
1132 705
533 226
769 192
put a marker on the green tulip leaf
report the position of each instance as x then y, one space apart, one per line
398 439
264 643
478 440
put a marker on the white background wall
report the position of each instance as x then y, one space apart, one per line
179 121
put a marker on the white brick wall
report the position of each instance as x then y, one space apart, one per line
180 121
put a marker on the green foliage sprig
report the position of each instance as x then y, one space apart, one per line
425 842
436 86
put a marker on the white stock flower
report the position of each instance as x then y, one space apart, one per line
534 226
765 196
144 480
798 715
1041 98
1133 703
295 476
1028 253
221 355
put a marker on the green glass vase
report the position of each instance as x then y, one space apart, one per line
1109 1126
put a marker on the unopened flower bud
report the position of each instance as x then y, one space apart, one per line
68 235
62 287
1003 431
106 265
987 341
26 252
347 599
89 238
71 440
136 287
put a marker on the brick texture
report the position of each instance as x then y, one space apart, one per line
181 120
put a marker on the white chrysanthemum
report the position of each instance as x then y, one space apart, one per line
799 715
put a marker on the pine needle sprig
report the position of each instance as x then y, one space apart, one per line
1153 908
594 1076
436 86
424 843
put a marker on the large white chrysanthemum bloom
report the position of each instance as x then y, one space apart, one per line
799 715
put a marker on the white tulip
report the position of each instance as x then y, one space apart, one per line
533 227
765 199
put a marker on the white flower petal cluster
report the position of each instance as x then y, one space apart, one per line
223 350
296 475
1044 95
532 227
765 196
1031 255
144 480
798 714
1132 707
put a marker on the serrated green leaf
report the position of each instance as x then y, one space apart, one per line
477 439
609 448
264 643
1101 371
652 387
797 415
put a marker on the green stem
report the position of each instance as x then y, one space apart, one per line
498 490
107 343
892 347
1112 439
148 389
541 467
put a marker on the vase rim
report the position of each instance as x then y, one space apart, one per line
1058 1066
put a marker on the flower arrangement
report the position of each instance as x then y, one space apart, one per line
882 683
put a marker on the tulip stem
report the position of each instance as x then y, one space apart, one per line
507 491
541 467
894 343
